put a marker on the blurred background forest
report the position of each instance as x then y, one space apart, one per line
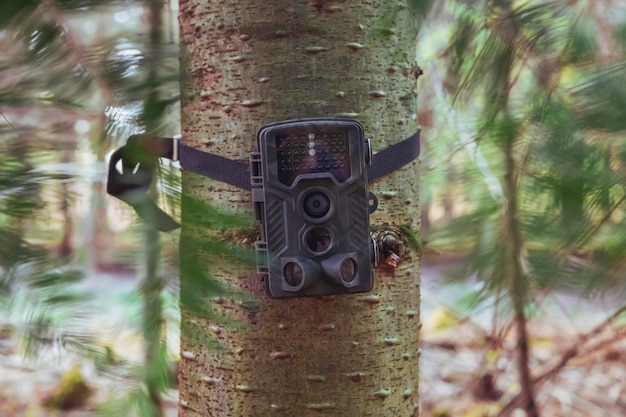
523 111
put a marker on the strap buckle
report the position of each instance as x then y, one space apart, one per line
138 160
176 147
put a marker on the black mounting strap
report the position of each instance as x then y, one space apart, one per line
140 156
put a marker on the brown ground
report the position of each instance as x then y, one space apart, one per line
466 372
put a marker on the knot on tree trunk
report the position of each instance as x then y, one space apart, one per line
393 244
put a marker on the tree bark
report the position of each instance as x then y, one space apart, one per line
248 63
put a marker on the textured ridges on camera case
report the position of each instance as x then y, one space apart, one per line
275 227
359 211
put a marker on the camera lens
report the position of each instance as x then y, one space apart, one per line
318 240
293 274
342 269
316 204
347 271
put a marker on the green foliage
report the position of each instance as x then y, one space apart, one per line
421 8
51 67
212 218
200 285
601 97
12 10
38 296
582 44
414 241
511 62
549 114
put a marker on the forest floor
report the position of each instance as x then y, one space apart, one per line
469 364
468 361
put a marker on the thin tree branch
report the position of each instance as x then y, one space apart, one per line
7 120
575 350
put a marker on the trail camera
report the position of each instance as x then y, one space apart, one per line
309 187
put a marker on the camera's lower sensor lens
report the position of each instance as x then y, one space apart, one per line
347 270
316 204
293 274
318 240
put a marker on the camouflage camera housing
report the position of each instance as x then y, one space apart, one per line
309 188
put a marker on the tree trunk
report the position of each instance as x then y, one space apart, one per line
248 63
96 236
519 289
